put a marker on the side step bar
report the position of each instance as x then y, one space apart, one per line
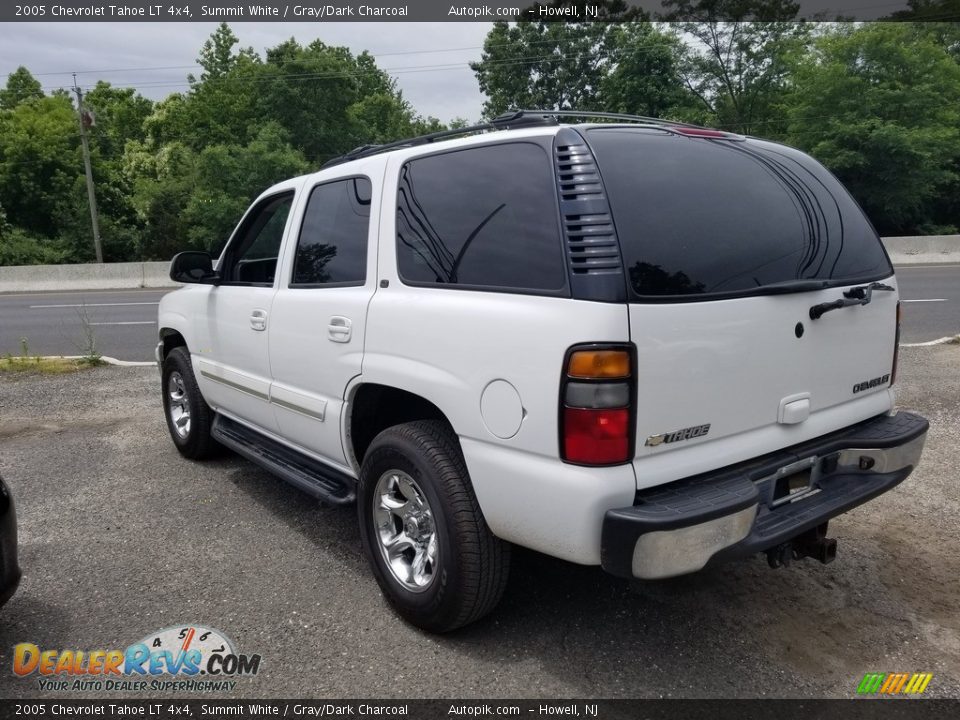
312 477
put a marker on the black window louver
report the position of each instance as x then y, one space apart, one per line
591 240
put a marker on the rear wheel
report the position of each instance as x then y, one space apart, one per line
189 418
426 539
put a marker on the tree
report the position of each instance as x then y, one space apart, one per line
739 63
21 86
39 161
226 178
644 78
880 106
546 64
329 101
939 19
940 11
120 115
162 180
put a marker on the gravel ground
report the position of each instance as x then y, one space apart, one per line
120 536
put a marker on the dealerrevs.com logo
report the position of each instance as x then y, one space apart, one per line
190 658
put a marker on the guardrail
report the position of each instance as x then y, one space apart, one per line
926 249
91 276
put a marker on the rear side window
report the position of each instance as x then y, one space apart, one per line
719 217
332 247
481 218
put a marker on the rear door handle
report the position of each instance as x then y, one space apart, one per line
340 329
258 320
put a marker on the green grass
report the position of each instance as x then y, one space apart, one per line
46 366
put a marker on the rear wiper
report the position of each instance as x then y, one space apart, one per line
854 296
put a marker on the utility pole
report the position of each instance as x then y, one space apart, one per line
85 120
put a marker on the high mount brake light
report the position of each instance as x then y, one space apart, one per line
597 406
704 132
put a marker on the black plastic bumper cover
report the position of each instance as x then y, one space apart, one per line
699 499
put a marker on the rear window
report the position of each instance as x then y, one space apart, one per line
718 217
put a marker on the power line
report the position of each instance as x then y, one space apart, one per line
401 70
396 53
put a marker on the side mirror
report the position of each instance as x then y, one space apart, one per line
193 267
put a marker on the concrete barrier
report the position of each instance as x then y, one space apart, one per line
91 276
920 250
924 249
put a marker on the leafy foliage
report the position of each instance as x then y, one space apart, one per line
21 87
880 106
561 65
738 63
878 103
179 173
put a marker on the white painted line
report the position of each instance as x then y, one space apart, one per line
927 300
33 307
919 266
68 293
939 341
129 322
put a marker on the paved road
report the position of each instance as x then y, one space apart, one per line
931 301
120 537
124 321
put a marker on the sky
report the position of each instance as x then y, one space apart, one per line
429 60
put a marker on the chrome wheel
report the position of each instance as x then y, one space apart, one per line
179 404
405 530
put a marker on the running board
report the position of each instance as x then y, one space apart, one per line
304 472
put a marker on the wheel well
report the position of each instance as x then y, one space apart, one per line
378 407
171 339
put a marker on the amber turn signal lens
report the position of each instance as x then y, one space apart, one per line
599 364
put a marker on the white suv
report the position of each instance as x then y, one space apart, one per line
635 344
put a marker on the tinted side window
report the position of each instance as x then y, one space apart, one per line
332 247
251 258
699 216
482 217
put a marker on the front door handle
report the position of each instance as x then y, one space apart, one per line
258 320
340 329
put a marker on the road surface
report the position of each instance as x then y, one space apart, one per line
124 321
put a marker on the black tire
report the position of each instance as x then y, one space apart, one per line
193 439
472 565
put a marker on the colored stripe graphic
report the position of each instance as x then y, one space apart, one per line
894 683
870 683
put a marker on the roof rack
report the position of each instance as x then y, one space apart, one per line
584 114
504 122
507 121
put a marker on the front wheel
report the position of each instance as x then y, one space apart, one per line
426 539
189 418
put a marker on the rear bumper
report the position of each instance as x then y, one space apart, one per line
738 511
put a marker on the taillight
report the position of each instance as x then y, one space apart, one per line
896 348
596 399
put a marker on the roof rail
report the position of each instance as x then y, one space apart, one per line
504 122
511 119
584 114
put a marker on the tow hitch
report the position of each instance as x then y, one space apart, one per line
813 543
